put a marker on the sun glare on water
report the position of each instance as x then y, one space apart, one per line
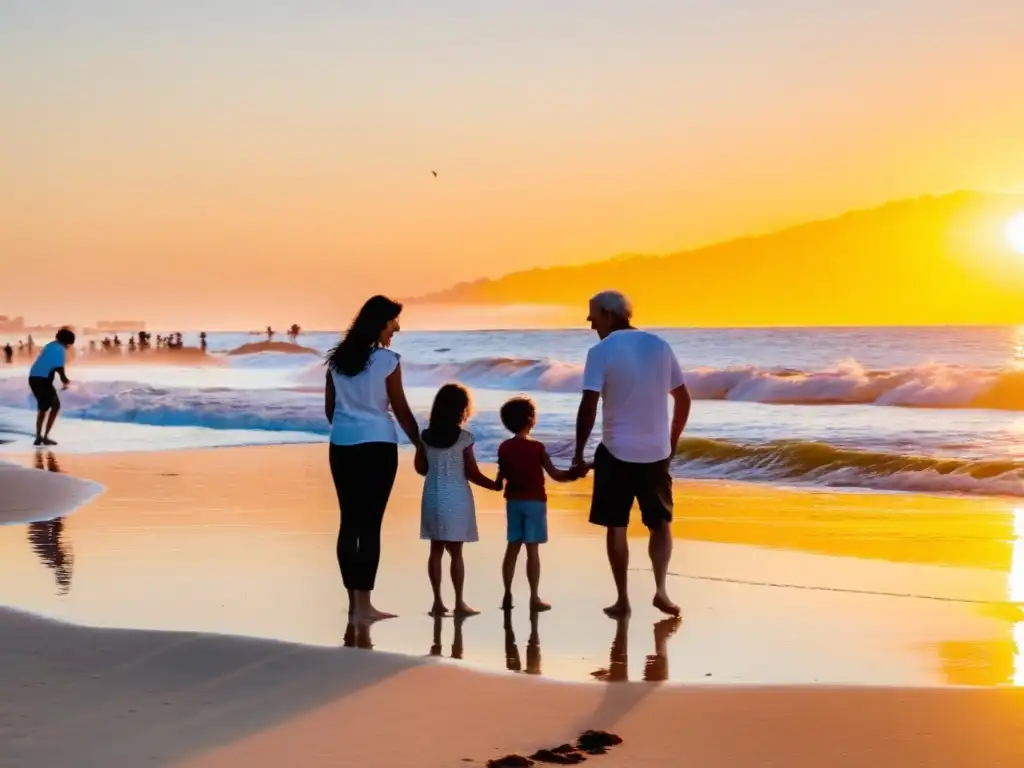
1015 233
1016 593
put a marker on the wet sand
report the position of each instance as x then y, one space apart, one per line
844 589
787 598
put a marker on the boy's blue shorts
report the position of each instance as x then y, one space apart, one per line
527 521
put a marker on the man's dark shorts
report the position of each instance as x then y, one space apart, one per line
618 483
45 392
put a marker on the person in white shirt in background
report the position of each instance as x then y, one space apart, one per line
51 361
632 373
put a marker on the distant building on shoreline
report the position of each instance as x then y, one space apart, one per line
118 326
16 325
12 324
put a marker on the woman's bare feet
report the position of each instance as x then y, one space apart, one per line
461 609
506 603
537 605
665 605
370 614
437 610
620 608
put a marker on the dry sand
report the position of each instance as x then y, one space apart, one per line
74 696
195 528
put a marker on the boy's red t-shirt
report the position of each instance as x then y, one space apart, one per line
521 463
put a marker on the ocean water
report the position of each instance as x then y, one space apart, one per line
896 409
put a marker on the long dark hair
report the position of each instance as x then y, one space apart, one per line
352 354
451 408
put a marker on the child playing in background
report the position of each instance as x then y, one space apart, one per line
522 462
50 363
448 514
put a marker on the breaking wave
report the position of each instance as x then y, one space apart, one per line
847 383
799 462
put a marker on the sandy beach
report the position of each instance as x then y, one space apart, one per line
192 613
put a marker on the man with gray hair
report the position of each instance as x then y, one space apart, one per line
634 373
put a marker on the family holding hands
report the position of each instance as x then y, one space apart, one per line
632 371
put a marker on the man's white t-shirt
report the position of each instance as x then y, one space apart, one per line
634 371
51 357
362 412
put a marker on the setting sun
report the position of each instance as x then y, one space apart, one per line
1015 233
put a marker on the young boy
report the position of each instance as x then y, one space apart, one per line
522 462
50 363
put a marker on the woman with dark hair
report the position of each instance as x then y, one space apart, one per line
364 398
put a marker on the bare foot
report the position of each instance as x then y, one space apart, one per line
464 610
539 605
620 608
506 603
437 610
48 441
371 614
663 604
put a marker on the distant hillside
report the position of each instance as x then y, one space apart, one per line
928 260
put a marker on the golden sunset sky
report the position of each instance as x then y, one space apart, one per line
234 163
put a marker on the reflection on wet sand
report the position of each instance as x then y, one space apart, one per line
47 537
47 461
655 665
458 647
1016 594
513 662
358 636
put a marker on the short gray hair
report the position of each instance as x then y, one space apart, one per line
614 303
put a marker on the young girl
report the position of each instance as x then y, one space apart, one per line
448 514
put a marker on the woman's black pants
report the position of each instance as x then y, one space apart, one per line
363 477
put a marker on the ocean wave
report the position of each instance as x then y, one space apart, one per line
846 383
225 408
810 462
821 464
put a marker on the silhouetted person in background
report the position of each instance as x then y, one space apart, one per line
202 341
131 344
8 353
270 333
31 344
49 364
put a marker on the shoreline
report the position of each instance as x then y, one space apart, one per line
31 495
